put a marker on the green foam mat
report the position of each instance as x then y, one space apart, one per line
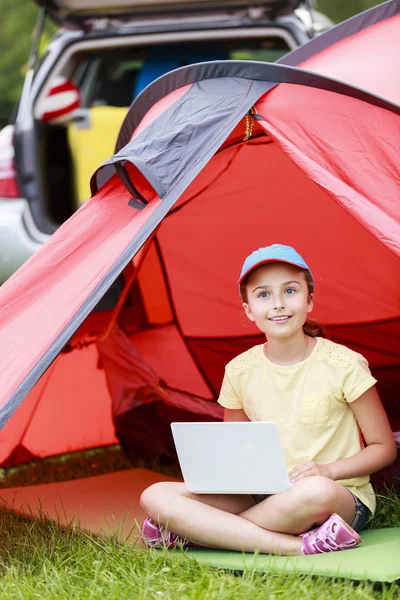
377 558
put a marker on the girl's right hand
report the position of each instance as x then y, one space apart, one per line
309 469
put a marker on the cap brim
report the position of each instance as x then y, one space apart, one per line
270 260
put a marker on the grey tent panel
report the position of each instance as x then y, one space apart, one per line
269 73
208 108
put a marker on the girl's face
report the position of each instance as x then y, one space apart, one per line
278 299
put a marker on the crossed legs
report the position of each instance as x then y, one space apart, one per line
236 523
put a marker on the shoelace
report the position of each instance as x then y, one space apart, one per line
329 544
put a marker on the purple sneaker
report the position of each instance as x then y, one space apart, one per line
156 536
335 534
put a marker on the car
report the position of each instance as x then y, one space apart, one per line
104 54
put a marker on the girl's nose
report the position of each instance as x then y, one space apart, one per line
279 304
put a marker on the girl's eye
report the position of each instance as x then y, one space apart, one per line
263 295
290 291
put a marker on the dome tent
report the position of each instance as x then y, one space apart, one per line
214 160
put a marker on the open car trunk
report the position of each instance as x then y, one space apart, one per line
110 53
84 13
70 148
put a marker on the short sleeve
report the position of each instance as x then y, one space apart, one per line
228 398
358 379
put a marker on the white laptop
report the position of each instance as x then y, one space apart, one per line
231 457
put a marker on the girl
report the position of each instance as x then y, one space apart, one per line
321 395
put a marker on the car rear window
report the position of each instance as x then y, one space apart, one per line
114 77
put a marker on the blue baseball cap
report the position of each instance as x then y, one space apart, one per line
274 253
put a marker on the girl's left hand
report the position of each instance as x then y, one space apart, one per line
309 469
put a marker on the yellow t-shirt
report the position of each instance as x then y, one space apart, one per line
308 401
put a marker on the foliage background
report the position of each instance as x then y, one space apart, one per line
17 27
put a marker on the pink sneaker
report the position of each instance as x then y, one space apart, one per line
335 534
156 536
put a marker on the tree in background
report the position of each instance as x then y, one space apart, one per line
339 10
17 27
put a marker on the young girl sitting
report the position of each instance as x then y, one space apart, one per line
322 397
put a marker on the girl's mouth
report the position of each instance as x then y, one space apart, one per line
281 319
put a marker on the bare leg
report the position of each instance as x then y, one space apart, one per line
310 501
212 520
234 522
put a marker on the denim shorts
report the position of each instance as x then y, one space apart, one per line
361 517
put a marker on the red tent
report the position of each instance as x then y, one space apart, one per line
133 302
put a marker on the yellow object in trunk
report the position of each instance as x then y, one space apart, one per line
92 145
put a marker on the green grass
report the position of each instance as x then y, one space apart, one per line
38 560
388 510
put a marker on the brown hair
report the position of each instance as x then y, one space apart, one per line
310 327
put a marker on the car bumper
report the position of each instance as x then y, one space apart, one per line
19 236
